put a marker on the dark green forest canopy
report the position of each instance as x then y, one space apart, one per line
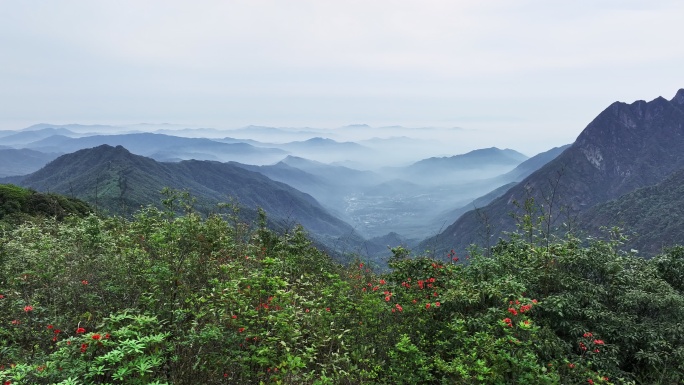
17 202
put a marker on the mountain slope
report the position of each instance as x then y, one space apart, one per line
627 146
114 178
28 136
477 164
653 216
22 162
524 169
164 147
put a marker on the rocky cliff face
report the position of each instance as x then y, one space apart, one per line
627 146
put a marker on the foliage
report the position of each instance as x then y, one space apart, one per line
18 204
162 298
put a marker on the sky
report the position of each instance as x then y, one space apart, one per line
523 74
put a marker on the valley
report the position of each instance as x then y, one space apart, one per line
284 251
422 204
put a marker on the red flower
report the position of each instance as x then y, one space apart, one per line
512 311
437 304
84 282
327 309
84 347
599 342
587 335
571 365
16 322
241 330
28 308
107 336
234 316
427 305
95 337
80 330
50 326
382 282
2 296
387 298
590 381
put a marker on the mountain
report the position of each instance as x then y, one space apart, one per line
327 150
524 169
510 179
77 128
652 216
381 245
477 164
22 162
116 179
322 144
273 134
627 146
22 138
337 175
165 147
489 156
322 190
453 215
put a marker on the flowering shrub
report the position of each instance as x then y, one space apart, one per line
161 298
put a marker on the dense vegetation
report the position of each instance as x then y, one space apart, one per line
18 204
161 298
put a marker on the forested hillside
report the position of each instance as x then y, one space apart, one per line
625 148
159 298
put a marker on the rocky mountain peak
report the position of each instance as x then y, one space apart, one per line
678 100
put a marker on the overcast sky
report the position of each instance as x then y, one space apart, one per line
528 75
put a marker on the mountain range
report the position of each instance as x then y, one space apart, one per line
625 148
624 169
115 179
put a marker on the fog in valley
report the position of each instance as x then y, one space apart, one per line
381 180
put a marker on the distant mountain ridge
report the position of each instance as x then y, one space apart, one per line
491 156
163 147
477 164
114 178
22 162
627 146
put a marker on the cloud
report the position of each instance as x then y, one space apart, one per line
393 61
